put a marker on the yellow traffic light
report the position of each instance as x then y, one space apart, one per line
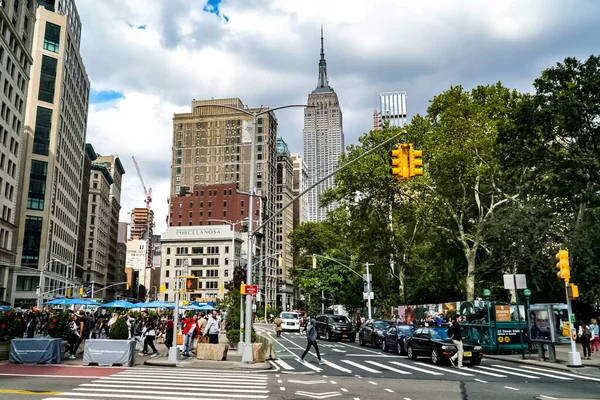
162 288
563 265
80 290
243 288
415 161
399 162
68 292
572 291
314 262
127 287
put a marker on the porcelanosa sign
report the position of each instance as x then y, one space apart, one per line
175 233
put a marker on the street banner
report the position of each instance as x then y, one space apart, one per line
108 352
35 351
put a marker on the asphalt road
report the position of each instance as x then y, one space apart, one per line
371 374
351 372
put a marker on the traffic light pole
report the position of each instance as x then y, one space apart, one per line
369 291
174 350
574 356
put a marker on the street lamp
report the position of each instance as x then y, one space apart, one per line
41 284
247 352
527 294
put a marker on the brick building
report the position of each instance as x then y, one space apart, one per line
211 205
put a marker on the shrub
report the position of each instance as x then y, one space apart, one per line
58 324
233 335
119 329
12 325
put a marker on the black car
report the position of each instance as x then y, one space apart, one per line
335 327
433 342
395 338
372 332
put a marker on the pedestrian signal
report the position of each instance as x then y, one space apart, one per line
191 283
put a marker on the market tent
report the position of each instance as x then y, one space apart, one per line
119 304
155 304
81 302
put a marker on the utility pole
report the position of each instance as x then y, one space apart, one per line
369 291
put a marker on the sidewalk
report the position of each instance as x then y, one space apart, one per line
590 367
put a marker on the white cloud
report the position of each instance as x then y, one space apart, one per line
267 54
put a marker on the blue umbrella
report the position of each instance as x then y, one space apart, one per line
206 308
4 308
119 304
81 302
57 302
155 304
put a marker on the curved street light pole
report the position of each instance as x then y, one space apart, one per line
247 350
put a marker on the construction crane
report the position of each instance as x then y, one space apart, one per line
147 192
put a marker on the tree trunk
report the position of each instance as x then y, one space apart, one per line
401 283
470 254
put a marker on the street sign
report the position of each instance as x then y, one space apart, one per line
368 277
367 295
503 313
251 289
509 281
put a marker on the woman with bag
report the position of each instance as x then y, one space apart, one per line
585 335
278 327
595 330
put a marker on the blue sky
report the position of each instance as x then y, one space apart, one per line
148 59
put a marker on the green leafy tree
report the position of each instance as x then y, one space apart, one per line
119 329
464 182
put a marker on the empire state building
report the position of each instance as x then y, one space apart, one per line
323 139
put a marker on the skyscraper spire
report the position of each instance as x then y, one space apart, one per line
323 83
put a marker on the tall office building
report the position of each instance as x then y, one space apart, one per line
53 153
323 139
392 109
17 19
211 146
285 225
300 184
113 273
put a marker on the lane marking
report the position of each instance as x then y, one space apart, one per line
565 374
333 382
126 393
282 388
478 371
316 369
479 380
209 388
344 390
374 371
183 379
17 391
541 396
415 368
444 369
154 374
285 365
361 348
537 373
373 383
511 388
389 368
277 368
54 376
511 373
279 381
389 390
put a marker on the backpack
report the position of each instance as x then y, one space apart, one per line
587 333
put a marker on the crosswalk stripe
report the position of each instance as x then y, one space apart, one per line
207 388
477 370
339 368
172 384
533 372
389 368
183 378
114 392
567 374
452 371
374 371
415 368
510 373
191 373
284 365
144 396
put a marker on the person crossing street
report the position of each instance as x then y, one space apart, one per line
311 337
456 336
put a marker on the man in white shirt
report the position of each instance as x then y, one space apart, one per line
212 328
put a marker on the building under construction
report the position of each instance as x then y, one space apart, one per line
142 223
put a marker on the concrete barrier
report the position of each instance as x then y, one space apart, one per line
214 352
266 349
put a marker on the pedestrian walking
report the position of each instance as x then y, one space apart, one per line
189 330
278 327
84 326
595 331
311 338
585 336
456 335
212 328
148 335
169 333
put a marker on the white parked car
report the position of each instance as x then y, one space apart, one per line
290 321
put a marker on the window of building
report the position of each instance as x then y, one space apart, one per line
178 170
51 37
31 241
37 185
168 263
27 283
260 139
43 125
260 121
166 273
47 79
260 129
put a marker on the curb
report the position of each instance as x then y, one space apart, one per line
225 365
546 364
